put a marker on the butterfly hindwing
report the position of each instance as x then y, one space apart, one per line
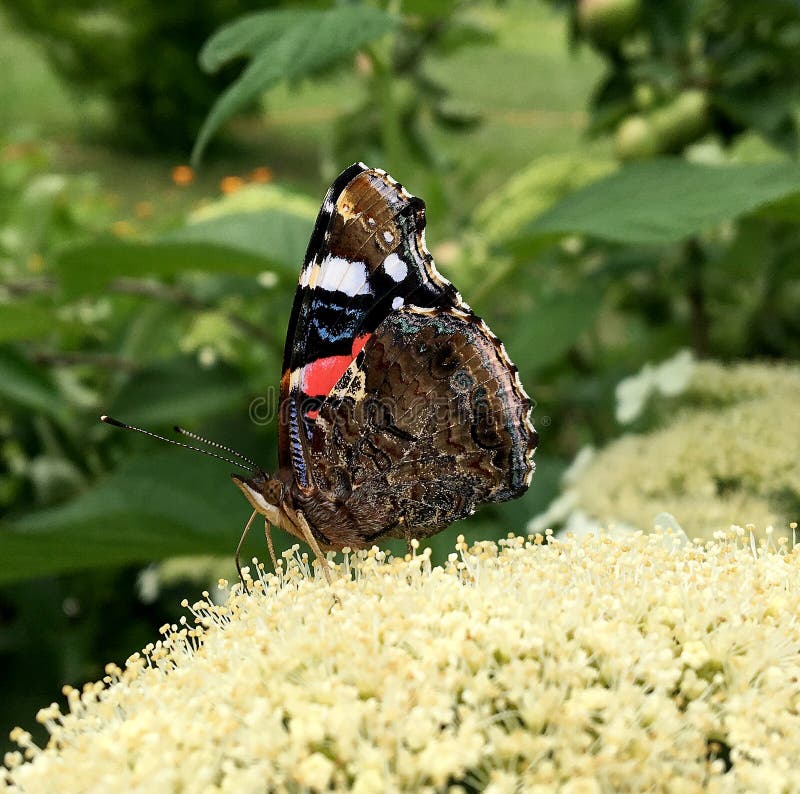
429 420
366 259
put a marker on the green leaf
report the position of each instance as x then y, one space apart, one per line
245 243
178 391
787 209
553 327
88 267
284 45
281 237
24 321
426 9
153 506
534 189
666 200
23 383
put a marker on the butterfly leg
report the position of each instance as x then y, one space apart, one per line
239 549
409 537
312 541
268 534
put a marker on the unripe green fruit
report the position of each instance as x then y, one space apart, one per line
606 22
667 129
644 95
636 139
682 121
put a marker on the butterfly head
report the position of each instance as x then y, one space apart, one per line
265 494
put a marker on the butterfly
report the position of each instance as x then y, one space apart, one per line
400 411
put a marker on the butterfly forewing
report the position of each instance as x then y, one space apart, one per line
366 259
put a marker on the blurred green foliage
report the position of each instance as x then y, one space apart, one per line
165 312
677 70
139 56
718 83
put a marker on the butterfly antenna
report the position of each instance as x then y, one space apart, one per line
189 434
116 423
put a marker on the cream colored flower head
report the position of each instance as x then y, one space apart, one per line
724 448
579 666
669 378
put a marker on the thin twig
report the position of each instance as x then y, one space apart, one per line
147 288
78 358
30 286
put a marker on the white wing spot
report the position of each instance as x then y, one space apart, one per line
389 237
395 267
397 302
336 273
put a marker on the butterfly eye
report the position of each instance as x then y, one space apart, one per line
273 491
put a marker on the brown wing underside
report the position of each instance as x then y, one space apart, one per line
429 421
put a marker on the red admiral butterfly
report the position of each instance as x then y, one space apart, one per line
400 410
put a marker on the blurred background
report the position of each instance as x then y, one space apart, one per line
612 184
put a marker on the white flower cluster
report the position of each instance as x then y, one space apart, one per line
669 378
726 450
579 666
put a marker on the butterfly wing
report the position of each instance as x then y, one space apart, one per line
429 420
366 259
